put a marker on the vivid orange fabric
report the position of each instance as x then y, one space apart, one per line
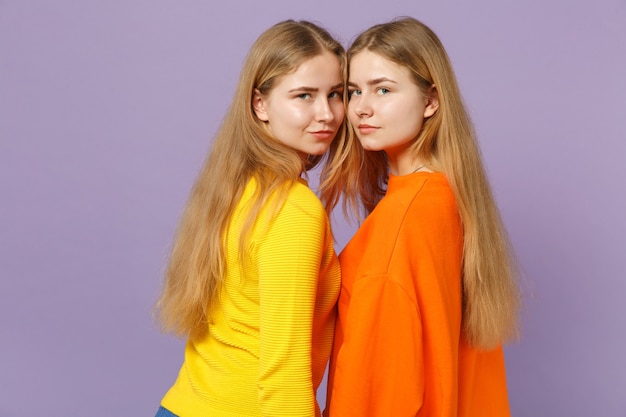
399 350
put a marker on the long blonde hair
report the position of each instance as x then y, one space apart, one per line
447 140
242 149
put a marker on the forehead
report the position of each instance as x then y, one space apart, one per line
367 65
316 69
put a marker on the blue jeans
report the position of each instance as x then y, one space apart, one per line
164 412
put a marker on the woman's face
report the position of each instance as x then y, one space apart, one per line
305 109
386 107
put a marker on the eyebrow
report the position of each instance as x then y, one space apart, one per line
375 81
314 89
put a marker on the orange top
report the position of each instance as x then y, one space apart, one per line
399 349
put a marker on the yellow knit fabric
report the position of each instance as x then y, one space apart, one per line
270 337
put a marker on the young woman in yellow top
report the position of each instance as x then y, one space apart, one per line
253 278
428 287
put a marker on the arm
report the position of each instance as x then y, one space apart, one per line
288 264
432 237
379 366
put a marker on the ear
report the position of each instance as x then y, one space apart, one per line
258 104
432 102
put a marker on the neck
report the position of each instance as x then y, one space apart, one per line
406 166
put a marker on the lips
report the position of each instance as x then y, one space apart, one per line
323 134
366 129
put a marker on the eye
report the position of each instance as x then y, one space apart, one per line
354 93
304 96
335 94
382 91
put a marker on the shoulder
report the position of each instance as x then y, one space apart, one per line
301 200
436 187
432 213
435 198
293 208
417 197
292 198
293 215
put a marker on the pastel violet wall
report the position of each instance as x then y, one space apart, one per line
106 113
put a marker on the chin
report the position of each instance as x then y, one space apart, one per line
318 151
370 147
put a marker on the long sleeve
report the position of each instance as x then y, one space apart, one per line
431 243
380 366
288 263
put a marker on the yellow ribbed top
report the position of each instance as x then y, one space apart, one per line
271 333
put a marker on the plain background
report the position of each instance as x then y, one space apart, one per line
106 113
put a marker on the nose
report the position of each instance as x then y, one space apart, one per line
360 106
323 112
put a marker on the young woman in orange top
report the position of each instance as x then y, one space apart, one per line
429 291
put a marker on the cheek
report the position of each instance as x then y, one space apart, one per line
352 116
338 110
276 113
354 119
291 115
351 107
407 127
